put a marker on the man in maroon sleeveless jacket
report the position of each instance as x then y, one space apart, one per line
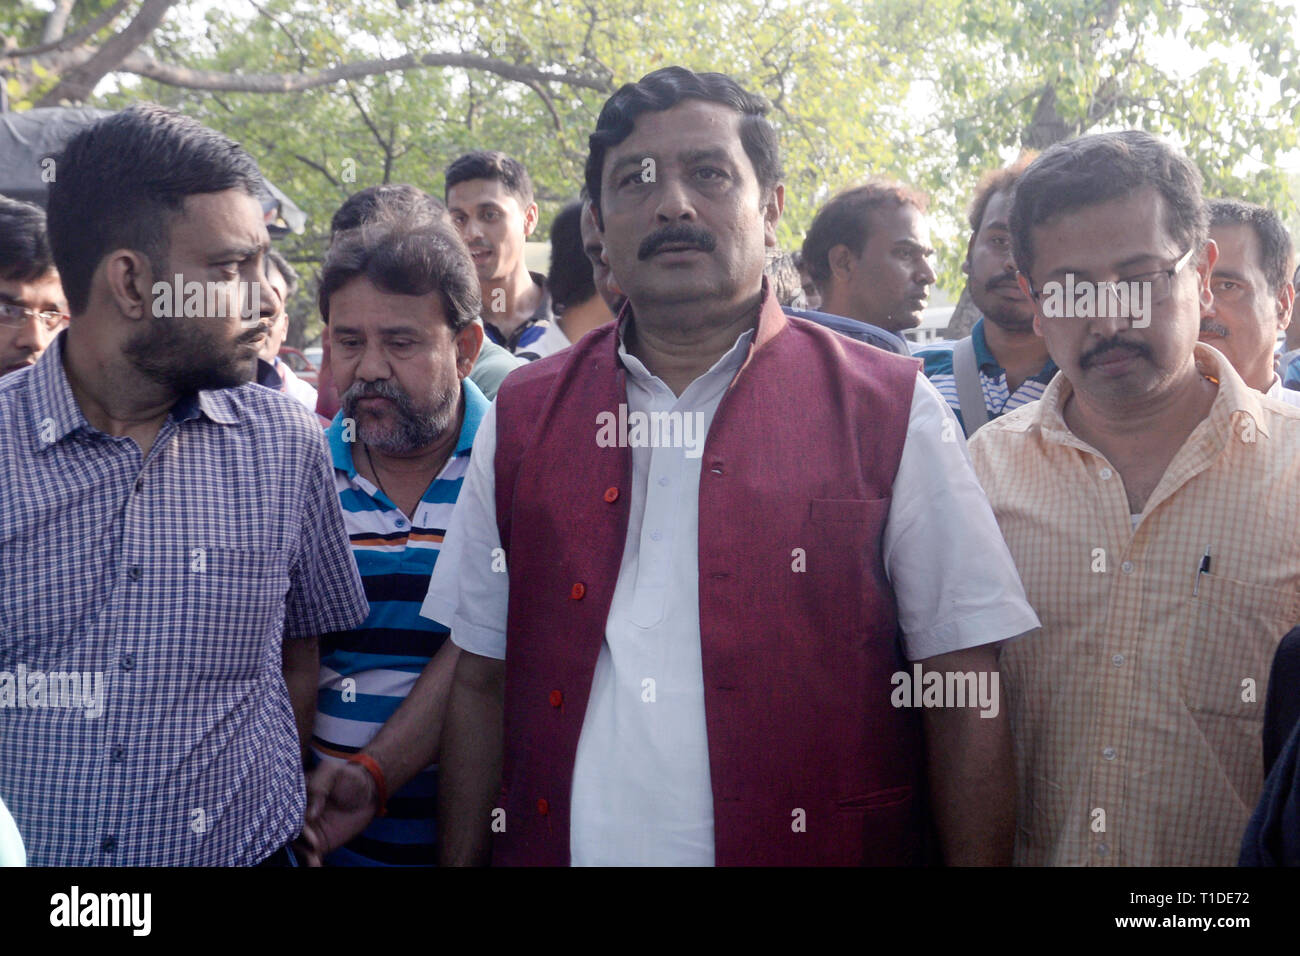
734 542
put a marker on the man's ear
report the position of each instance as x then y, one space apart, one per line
469 341
1204 270
841 261
133 288
530 219
1023 282
1285 302
772 209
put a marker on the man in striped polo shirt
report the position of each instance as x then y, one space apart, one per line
1003 357
400 296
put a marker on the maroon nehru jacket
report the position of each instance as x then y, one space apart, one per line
802 453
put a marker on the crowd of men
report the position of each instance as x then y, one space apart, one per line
673 556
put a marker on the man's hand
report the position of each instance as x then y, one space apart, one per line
341 802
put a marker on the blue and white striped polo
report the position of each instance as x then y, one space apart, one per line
366 673
993 377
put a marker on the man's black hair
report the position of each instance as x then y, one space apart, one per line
393 198
1275 250
405 255
119 182
1099 168
492 164
24 246
570 280
845 220
664 89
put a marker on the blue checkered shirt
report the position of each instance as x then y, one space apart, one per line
172 580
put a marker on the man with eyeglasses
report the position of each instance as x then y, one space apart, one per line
1139 498
32 305
1252 292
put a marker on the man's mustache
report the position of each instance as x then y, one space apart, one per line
677 234
1092 356
1006 279
1214 328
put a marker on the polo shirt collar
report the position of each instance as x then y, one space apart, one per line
56 414
476 406
985 359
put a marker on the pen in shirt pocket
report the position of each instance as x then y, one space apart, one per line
1202 568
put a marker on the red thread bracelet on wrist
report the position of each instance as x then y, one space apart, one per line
377 775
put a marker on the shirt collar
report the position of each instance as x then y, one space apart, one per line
771 322
476 406
56 414
1234 397
985 359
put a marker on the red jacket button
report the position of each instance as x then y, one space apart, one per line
611 495
543 807
556 698
578 591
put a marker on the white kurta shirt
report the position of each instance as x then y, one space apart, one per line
642 791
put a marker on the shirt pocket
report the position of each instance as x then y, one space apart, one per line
235 605
1231 634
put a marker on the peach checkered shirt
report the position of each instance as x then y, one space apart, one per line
1137 733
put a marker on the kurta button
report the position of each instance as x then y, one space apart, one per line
611 495
556 698
577 591
543 807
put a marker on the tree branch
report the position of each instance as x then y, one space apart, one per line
546 98
63 43
77 84
56 24
172 75
302 54
318 167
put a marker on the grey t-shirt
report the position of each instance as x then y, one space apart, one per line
493 364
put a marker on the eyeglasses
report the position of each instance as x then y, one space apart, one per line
16 316
1161 282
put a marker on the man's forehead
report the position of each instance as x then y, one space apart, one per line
901 222
1238 244
473 192
997 211
44 288
681 130
1134 225
228 219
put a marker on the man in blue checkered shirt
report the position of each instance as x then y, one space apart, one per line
171 546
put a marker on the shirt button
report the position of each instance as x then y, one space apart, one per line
401 522
1106 474
1118 660
656 535
1108 753
139 484
663 482
133 574
577 591
118 754
1103 849
108 844
611 495
543 807
556 698
127 661
1127 567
